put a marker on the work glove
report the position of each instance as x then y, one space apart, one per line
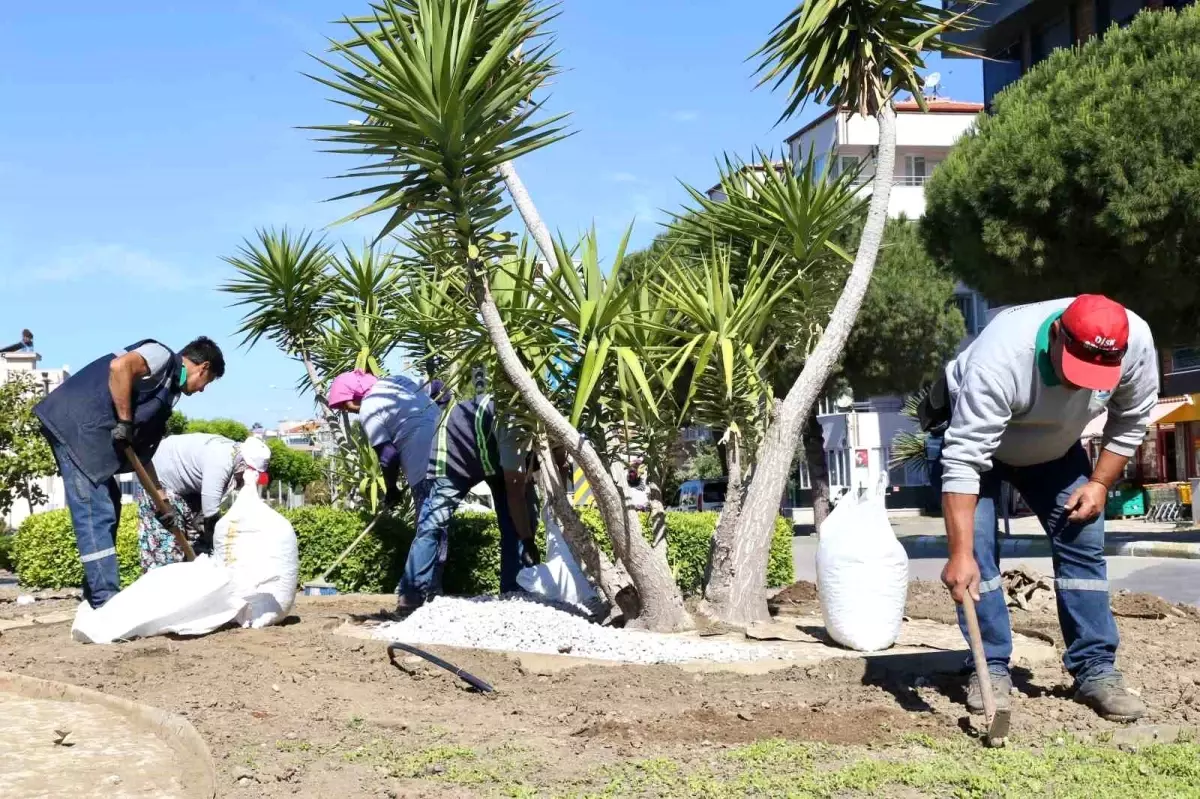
530 556
122 434
168 519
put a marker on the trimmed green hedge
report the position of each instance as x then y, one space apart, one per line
689 536
473 562
46 556
472 565
6 545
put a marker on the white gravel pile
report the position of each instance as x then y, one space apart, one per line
518 624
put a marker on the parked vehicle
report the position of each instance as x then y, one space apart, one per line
702 495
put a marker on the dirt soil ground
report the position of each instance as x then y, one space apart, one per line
298 711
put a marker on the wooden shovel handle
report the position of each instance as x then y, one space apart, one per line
981 667
159 500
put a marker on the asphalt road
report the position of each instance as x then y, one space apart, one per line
1174 579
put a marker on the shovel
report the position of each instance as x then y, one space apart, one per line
998 721
159 500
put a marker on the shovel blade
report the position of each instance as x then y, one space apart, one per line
997 733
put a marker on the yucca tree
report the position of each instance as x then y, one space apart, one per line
445 102
283 281
852 54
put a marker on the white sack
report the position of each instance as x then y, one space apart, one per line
259 547
184 598
558 578
862 574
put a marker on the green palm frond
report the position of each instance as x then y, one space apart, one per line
855 54
443 103
908 446
283 279
798 209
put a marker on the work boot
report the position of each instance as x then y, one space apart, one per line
1107 695
1001 689
406 606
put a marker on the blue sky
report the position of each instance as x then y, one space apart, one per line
139 146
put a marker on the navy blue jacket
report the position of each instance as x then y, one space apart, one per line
80 414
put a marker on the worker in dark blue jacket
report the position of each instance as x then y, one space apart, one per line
122 399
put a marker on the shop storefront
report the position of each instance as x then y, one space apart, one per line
1171 450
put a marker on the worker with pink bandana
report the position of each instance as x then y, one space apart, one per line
444 454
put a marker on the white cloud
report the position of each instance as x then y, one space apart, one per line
685 116
624 177
120 262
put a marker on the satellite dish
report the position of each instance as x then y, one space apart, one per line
932 80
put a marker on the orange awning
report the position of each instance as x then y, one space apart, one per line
1187 411
1168 411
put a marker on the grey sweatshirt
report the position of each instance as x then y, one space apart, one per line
197 465
1010 406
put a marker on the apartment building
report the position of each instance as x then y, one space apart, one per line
1015 35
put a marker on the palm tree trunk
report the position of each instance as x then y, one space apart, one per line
746 602
658 595
720 574
662 604
612 579
529 213
818 472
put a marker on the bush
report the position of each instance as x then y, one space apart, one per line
375 566
689 536
1085 178
45 555
6 544
473 562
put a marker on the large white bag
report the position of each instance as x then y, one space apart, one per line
184 598
259 547
862 574
558 578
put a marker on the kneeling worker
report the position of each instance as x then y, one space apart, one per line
196 471
444 455
123 399
1014 405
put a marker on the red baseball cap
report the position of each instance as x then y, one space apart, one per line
1095 337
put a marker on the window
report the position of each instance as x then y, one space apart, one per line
914 171
1185 359
966 306
1122 12
850 163
838 463
1051 37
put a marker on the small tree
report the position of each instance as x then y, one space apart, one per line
25 457
1085 179
177 424
907 329
854 54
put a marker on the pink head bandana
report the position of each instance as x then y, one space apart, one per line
350 386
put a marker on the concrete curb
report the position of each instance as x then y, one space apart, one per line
934 546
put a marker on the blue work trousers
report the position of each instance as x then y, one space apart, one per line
1077 552
436 500
95 512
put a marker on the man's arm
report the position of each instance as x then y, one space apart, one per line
389 464
981 414
123 374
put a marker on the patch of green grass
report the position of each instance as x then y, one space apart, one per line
956 767
293 746
503 767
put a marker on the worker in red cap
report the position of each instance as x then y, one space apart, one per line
1012 408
